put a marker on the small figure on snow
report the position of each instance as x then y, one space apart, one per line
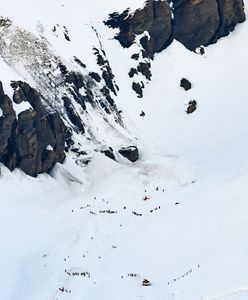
146 282
146 198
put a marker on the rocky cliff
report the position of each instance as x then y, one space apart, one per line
194 23
33 140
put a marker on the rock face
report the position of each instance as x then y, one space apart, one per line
154 18
6 123
201 22
194 23
34 140
231 13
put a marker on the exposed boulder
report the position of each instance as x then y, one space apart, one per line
131 153
186 84
192 107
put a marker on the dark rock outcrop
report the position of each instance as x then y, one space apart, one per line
109 153
192 107
72 115
132 72
34 141
155 18
131 153
137 87
95 76
231 13
76 79
186 84
144 69
79 62
7 121
107 73
194 23
199 22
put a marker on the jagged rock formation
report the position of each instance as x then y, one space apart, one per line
193 23
34 140
155 18
59 113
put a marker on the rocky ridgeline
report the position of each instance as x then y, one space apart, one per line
194 23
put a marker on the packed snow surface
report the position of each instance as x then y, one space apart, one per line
177 217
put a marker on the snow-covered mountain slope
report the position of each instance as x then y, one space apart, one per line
71 72
177 216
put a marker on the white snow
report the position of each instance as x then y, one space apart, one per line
49 148
21 107
190 237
